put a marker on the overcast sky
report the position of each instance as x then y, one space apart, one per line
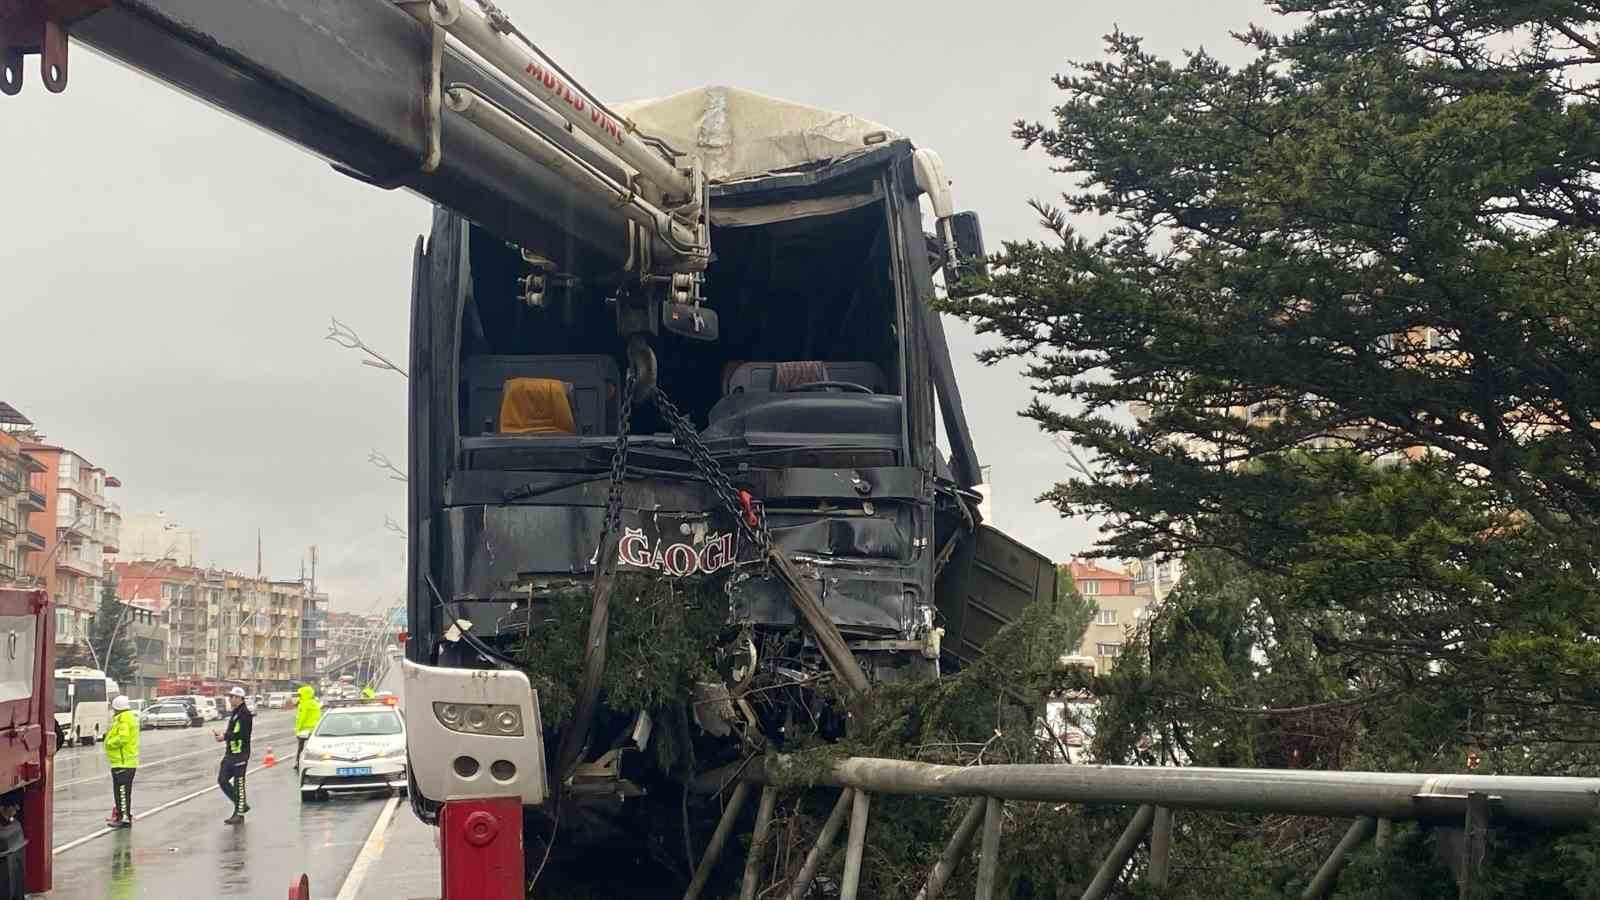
167 273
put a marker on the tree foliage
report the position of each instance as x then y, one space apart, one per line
1348 289
111 637
988 713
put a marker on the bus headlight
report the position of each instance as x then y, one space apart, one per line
479 718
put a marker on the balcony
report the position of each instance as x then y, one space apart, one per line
8 525
30 501
7 572
80 487
34 541
74 524
11 481
80 566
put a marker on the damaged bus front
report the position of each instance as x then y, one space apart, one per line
788 397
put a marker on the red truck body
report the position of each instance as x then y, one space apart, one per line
195 686
27 732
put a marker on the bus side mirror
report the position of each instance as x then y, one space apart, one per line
964 235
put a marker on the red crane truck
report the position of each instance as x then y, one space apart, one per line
27 740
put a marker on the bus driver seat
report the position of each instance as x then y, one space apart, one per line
536 406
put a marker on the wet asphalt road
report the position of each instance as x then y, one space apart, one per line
178 846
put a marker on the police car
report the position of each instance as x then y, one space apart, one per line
359 745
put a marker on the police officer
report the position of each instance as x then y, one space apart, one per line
236 755
122 755
308 712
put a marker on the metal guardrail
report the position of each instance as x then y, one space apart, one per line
1374 800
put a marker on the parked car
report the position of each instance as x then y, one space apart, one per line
220 704
169 714
205 705
137 706
356 747
277 700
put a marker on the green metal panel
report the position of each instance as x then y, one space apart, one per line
988 582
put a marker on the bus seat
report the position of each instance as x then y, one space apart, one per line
778 377
536 406
592 400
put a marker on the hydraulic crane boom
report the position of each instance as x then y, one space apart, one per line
479 122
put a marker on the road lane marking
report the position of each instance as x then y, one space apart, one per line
370 851
106 775
56 851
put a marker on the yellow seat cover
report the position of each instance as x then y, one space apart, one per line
535 406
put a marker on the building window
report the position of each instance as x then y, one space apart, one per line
1111 650
1103 616
1089 587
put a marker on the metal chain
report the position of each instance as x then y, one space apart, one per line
619 464
684 432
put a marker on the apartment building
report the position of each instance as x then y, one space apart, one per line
18 499
1155 578
82 527
227 626
156 536
313 633
175 593
1117 609
255 634
149 632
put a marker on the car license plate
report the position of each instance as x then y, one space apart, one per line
353 770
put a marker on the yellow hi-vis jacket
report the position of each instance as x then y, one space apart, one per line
122 741
308 713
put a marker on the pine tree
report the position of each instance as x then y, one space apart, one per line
1349 289
111 636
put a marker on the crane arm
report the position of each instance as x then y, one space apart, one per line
367 85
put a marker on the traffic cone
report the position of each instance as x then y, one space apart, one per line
271 760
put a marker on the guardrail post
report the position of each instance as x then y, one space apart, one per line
1385 832
830 830
719 839
758 843
1322 883
989 850
1476 843
859 805
1160 848
951 857
1118 857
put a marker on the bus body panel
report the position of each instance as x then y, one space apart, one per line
83 702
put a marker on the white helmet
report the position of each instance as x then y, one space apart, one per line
119 703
